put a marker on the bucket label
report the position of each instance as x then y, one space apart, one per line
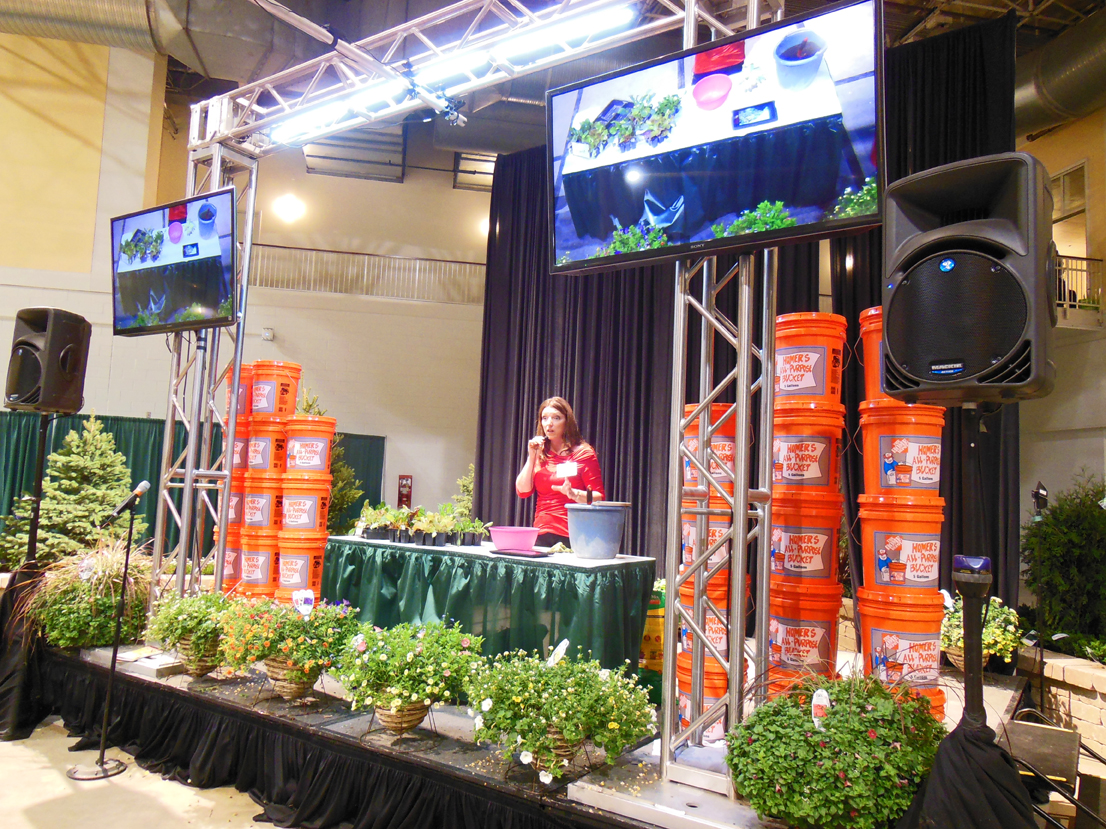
803 551
910 658
239 460
712 733
300 510
798 645
910 461
715 628
308 453
260 452
264 396
231 562
234 508
258 510
723 447
691 473
293 571
255 567
715 531
801 370
243 400
907 559
803 460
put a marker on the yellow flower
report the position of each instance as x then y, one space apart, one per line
518 699
612 725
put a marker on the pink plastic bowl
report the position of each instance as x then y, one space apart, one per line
711 92
514 538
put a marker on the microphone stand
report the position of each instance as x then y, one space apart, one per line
106 768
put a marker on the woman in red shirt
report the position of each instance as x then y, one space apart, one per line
561 467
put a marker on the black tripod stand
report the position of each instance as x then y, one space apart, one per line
105 768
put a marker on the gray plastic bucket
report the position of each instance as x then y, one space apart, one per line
798 74
596 531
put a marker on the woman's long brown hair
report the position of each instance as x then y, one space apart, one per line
572 431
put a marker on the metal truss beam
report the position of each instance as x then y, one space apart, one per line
360 83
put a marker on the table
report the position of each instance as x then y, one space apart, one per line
512 602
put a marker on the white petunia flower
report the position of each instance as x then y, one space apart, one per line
486 705
478 723
545 777
605 674
471 712
526 757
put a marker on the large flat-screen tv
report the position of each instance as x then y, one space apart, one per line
765 137
173 266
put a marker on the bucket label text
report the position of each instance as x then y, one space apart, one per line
910 658
804 460
907 559
258 510
260 452
300 510
910 461
230 564
803 551
240 453
712 733
293 572
255 567
801 370
715 531
308 453
796 644
264 396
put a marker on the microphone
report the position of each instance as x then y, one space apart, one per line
132 499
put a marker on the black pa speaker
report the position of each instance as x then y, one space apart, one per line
49 357
969 294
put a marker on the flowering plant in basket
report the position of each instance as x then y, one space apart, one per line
858 767
546 708
406 664
257 630
1000 629
197 619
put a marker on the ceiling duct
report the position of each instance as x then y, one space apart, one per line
233 41
1064 80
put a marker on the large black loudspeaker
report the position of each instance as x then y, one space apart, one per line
969 295
49 357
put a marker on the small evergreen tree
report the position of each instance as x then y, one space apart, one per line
345 489
85 480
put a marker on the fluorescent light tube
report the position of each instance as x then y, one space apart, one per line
578 28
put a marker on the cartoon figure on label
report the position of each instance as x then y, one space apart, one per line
888 469
879 664
883 563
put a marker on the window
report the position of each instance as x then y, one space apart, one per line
1069 212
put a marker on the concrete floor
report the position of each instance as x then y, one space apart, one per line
36 794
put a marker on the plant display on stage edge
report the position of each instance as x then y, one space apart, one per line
195 619
254 630
84 481
544 709
74 604
1001 629
406 664
860 770
766 216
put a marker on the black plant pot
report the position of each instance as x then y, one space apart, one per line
455 538
439 539
627 145
418 537
375 534
405 537
468 539
393 535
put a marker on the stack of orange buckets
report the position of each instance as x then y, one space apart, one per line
232 561
715 679
306 504
807 505
900 526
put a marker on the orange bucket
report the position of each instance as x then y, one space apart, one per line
245 391
871 337
232 559
240 455
716 629
781 680
900 540
260 562
802 625
902 448
237 508
264 506
810 350
275 387
301 562
310 440
805 527
715 686
900 636
806 447
716 528
936 701
722 442
306 502
267 446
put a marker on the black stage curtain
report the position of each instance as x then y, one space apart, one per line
949 98
603 342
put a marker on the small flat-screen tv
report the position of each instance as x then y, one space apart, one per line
173 266
766 137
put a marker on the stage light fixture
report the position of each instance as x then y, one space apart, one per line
435 73
577 30
319 120
289 208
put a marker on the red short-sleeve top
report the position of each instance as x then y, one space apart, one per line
581 467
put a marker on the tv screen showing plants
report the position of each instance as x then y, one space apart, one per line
754 139
173 266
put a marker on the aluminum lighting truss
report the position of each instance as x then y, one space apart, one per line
189 480
383 77
748 511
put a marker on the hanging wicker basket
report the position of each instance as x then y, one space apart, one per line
956 657
562 748
197 664
278 670
403 719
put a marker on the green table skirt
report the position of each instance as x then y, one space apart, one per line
512 603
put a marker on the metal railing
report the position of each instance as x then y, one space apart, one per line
366 274
1079 283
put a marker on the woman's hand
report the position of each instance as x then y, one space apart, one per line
567 490
535 446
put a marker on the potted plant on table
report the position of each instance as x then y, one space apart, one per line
295 649
376 521
658 127
1000 632
625 135
192 625
641 109
545 709
592 135
857 766
400 672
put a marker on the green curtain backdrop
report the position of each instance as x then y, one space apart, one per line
139 439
